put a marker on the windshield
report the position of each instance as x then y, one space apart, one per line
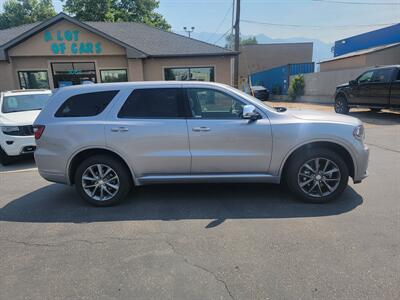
24 102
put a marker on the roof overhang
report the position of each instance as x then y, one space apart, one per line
131 52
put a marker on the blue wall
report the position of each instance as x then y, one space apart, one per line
279 76
384 36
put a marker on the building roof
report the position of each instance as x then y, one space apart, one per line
361 52
140 40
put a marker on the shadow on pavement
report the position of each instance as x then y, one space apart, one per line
20 163
385 117
60 204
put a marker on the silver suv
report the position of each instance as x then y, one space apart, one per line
105 138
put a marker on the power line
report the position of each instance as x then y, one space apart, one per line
316 26
221 23
357 3
222 36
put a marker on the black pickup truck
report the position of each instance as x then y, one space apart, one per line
375 89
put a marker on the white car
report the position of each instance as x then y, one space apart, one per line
18 111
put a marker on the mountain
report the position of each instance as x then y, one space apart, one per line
321 51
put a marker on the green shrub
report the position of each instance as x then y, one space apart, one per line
296 87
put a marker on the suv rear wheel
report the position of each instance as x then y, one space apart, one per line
102 180
319 175
341 105
4 158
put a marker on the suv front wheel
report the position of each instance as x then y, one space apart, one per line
319 175
341 105
102 180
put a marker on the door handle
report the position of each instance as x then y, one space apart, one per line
201 129
119 129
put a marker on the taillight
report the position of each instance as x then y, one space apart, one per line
38 130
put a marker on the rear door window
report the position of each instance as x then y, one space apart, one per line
86 105
382 75
157 103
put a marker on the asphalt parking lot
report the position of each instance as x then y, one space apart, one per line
214 241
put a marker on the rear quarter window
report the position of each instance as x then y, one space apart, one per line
85 105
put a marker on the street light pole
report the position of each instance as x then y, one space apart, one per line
189 31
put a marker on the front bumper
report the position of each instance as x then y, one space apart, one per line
17 145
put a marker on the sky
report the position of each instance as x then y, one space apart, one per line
326 20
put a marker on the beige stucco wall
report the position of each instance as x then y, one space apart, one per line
255 58
153 68
390 56
353 62
7 80
38 46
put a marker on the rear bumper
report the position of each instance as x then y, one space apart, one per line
17 145
50 166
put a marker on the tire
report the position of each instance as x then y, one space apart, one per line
341 105
336 180
105 193
5 160
376 109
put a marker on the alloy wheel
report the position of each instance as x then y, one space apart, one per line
100 182
319 177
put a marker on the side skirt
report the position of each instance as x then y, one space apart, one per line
201 178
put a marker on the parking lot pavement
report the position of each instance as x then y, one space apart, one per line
225 241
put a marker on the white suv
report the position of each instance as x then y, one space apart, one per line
18 111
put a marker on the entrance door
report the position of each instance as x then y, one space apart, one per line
73 73
221 141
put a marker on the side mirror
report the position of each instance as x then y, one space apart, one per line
250 113
353 82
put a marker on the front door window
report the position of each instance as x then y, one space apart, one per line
73 73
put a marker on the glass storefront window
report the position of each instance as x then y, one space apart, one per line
113 75
195 74
33 80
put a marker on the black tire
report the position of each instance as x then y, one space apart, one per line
298 161
5 160
341 105
376 109
125 181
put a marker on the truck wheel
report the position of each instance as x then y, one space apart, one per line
341 105
317 175
4 158
102 180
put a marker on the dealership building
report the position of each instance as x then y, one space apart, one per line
63 51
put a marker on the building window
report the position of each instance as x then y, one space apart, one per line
33 80
189 73
114 75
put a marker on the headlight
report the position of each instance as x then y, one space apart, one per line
359 133
10 130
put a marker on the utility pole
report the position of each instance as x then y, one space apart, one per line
237 43
188 31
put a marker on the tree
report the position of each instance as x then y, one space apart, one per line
19 12
249 41
117 11
230 40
